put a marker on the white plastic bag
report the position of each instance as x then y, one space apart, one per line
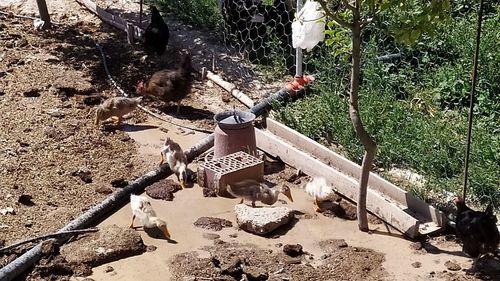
308 28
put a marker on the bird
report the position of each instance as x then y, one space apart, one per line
253 190
170 85
320 191
477 230
176 159
116 108
156 34
142 209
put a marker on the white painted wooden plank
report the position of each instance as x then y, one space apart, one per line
347 186
423 210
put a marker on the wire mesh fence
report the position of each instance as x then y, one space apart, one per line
414 98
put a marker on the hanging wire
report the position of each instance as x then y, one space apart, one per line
472 97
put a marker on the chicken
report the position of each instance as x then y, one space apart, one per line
156 34
320 191
142 209
176 159
116 108
253 190
169 85
477 230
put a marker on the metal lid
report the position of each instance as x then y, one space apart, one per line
234 119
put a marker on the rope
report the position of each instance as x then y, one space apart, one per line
113 82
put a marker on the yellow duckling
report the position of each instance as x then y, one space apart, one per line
142 209
176 159
253 190
320 191
116 108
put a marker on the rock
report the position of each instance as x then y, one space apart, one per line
261 220
215 224
151 248
8 210
211 236
28 224
417 264
32 93
293 250
2 92
453 266
125 138
233 268
234 235
163 189
278 245
2 243
109 244
103 189
119 183
256 273
109 269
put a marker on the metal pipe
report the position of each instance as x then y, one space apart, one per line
472 97
298 50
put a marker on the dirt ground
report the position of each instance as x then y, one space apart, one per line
55 164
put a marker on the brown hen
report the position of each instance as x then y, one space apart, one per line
170 85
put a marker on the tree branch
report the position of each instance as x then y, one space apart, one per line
334 17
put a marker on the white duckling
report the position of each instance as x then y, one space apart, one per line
176 159
320 191
142 209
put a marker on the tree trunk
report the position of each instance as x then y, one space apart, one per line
368 143
44 13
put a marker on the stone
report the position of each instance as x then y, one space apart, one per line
211 236
263 220
293 250
151 248
453 266
417 264
109 269
109 244
215 224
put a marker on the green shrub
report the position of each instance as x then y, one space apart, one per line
199 13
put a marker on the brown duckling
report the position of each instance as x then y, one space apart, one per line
116 108
177 160
253 190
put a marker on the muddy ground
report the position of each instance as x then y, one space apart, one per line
55 164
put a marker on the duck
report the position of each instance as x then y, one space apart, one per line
253 190
320 191
142 209
116 108
176 159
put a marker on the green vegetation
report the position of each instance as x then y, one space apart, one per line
416 107
199 13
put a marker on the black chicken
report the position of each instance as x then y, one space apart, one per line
477 230
156 34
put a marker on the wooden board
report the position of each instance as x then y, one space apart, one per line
421 210
115 21
346 185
